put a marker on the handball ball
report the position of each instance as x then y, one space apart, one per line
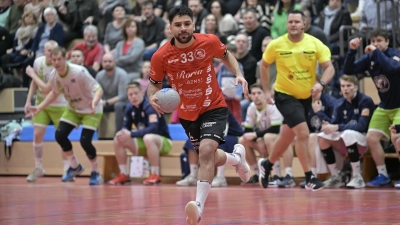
168 99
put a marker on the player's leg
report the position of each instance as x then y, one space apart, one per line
193 158
395 138
314 153
354 142
122 157
269 139
227 147
90 122
327 143
379 129
288 180
250 147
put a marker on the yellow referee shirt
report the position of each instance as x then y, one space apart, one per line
296 63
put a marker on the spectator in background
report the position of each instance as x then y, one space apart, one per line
144 77
168 34
313 30
13 19
152 28
255 32
263 14
211 27
272 67
91 48
129 53
78 14
226 23
37 7
113 32
331 19
199 13
107 7
113 80
78 58
4 11
278 27
6 41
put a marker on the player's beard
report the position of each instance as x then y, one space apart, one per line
186 40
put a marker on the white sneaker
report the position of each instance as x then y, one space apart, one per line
187 181
37 172
243 169
356 182
193 213
219 182
334 182
261 170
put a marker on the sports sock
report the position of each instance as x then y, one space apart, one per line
38 151
123 169
194 169
255 168
277 169
356 168
221 171
94 166
155 170
232 159
288 171
203 188
72 161
382 170
66 165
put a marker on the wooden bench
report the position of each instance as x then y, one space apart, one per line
369 168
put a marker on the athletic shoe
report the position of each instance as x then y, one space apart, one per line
152 179
397 184
263 167
37 172
253 180
303 184
187 181
71 173
243 169
334 182
64 174
120 179
287 182
192 210
95 178
356 182
219 182
273 181
314 184
380 181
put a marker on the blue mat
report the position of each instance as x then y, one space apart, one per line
27 134
177 132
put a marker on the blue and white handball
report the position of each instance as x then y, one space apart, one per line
168 99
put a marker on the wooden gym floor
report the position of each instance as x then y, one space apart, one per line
49 201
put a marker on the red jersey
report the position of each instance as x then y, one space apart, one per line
190 71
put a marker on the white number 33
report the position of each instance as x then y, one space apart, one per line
187 57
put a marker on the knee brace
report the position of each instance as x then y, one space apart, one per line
86 143
62 133
354 155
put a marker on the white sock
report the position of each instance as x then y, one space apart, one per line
232 159
356 168
382 170
289 171
277 168
94 166
203 188
66 165
255 168
38 152
194 169
155 170
221 171
333 169
123 169
72 161
314 171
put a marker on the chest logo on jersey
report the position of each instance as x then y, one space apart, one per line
186 75
199 54
382 83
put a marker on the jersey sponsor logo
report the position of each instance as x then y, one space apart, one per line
352 122
365 112
209 77
356 111
208 124
382 83
152 118
186 75
316 122
285 53
208 90
207 103
195 81
193 93
199 54
171 61
344 114
192 139
171 77
191 107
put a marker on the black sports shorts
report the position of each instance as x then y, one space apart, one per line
294 111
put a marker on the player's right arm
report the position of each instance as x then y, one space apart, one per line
45 88
267 59
31 92
351 66
51 97
156 77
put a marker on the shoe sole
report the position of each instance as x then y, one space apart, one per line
192 213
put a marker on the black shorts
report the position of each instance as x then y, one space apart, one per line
294 111
209 125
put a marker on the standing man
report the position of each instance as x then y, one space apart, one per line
40 74
379 62
296 55
83 94
187 60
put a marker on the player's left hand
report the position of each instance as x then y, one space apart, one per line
328 128
245 86
369 49
92 106
392 129
317 88
123 135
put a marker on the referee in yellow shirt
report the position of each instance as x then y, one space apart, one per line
296 55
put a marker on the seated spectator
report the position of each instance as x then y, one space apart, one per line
144 133
129 53
168 34
226 23
106 9
113 32
6 41
78 14
4 11
78 58
272 67
346 133
331 19
262 124
144 77
314 30
211 27
113 80
234 130
35 6
279 27
199 13
255 32
22 42
263 14
13 19
152 28
91 48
